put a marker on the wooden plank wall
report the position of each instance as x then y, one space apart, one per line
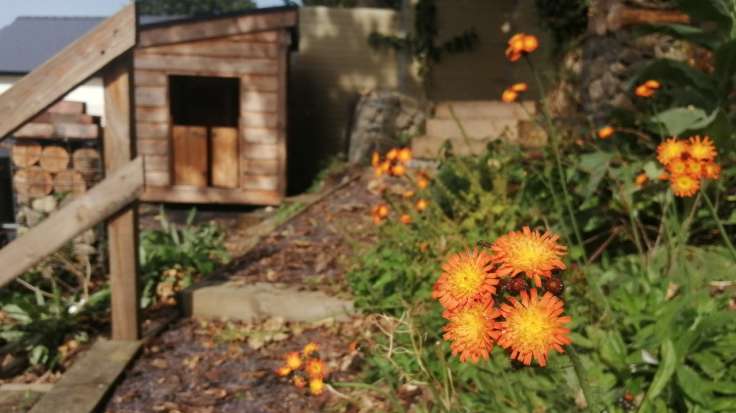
259 61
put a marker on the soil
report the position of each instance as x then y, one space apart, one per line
201 366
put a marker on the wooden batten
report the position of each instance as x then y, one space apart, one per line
216 48
190 152
217 27
205 65
190 195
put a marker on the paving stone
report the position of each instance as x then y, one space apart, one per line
233 300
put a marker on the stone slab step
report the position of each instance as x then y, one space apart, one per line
481 109
231 300
474 128
429 147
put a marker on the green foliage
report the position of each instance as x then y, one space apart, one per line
44 314
192 7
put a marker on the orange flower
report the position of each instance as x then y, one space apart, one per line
512 55
531 43
606 132
310 348
316 386
422 179
398 170
684 185
379 213
516 42
472 331
405 155
421 205
316 369
641 179
392 154
695 168
293 360
405 219
677 167
670 150
643 91
702 149
664 176
652 84
283 371
299 382
466 277
528 252
375 159
509 96
711 170
533 327
408 194
519 87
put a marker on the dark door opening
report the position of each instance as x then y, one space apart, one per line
205 112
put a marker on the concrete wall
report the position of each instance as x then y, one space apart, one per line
483 73
334 65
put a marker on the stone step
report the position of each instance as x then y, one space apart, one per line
474 128
428 147
482 109
232 300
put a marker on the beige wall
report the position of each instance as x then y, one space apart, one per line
333 66
483 73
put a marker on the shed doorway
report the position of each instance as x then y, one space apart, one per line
204 133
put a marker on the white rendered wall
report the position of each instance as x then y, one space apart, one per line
91 93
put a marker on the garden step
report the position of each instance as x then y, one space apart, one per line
474 128
234 300
428 147
480 109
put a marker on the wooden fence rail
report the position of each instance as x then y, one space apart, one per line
114 193
69 68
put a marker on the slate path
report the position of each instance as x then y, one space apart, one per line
203 365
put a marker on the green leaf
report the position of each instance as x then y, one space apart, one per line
675 75
725 65
692 384
679 120
667 365
718 11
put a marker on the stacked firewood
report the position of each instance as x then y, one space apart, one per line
56 157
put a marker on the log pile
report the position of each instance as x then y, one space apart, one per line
56 157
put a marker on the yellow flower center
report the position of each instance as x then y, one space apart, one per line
468 278
531 328
528 254
471 327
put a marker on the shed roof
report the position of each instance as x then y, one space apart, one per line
29 41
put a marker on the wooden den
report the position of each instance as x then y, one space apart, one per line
210 107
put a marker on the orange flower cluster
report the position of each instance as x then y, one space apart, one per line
647 89
688 162
512 93
394 164
307 365
520 45
528 326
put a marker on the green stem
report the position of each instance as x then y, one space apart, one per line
721 229
582 378
558 161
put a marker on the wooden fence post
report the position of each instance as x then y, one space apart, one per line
122 229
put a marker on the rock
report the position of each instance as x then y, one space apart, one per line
381 117
46 204
595 90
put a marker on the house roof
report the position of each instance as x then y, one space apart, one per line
29 41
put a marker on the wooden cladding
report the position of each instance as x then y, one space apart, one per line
194 157
190 155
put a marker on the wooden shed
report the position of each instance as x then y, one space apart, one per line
210 106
